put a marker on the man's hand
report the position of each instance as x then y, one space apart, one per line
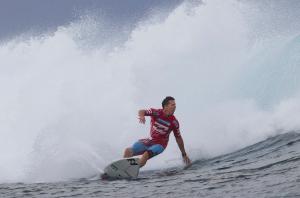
142 119
186 160
142 116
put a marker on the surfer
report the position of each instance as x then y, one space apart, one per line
163 122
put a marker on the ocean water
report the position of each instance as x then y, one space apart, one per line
69 102
270 168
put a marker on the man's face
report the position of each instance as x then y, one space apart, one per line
170 107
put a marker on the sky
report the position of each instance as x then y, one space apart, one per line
19 16
39 16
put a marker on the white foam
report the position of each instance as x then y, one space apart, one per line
67 110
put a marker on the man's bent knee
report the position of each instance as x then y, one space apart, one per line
128 153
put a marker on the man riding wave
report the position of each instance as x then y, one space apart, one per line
163 122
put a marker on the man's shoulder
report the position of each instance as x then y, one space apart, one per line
156 112
155 109
174 121
173 117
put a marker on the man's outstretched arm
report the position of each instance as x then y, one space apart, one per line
180 144
146 112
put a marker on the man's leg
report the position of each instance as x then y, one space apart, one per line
128 153
137 148
151 152
143 160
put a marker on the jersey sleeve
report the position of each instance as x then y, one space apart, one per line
176 128
151 112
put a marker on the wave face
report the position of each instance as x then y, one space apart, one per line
269 168
69 99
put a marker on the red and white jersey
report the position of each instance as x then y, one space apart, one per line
162 126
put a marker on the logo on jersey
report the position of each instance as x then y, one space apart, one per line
160 128
163 122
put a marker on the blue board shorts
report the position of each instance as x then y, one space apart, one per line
139 148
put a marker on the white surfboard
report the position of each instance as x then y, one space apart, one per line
127 168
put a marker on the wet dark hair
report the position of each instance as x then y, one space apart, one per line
166 100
